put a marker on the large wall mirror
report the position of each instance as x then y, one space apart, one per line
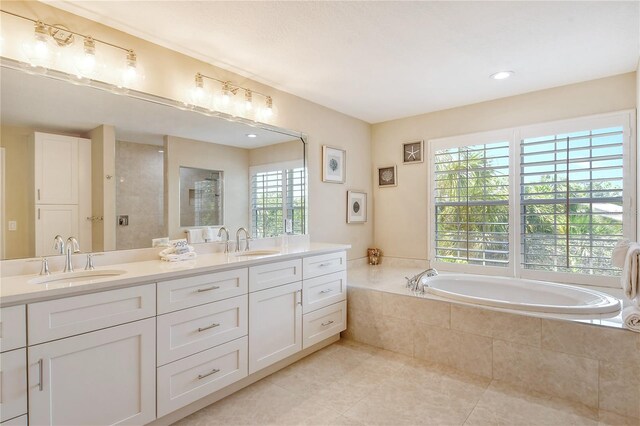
118 171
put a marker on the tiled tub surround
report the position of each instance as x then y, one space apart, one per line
594 365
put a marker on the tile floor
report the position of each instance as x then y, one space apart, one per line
349 383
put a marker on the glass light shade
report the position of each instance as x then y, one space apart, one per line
41 51
132 73
87 62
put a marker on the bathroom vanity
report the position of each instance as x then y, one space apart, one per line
159 340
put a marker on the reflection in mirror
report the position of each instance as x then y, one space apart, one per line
106 168
201 197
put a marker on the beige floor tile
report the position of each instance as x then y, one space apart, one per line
567 376
590 341
510 327
466 352
413 308
506 405
611 419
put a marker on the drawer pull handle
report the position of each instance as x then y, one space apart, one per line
215 287
324 324
329 290
322 265
202 376
214 325
40 374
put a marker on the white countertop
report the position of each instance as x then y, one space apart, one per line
18 289
389 277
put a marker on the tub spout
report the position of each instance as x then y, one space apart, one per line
415 282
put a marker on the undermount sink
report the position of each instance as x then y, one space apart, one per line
77 276
257 253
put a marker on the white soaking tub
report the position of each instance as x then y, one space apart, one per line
519 294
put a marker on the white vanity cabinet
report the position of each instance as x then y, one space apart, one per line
92 358
13 365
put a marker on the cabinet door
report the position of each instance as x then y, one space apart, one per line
52 220
101 378
275 325
13 384
56 169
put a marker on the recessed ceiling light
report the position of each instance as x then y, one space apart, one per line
252 135
160 151
501 75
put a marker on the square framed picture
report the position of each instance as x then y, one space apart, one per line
412 152
356 207
387 176
333 164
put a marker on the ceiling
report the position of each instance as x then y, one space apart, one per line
47 104
379 61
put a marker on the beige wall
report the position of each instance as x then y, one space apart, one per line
234 162
401 212
103 187
278 153
638 147
19 201
171 74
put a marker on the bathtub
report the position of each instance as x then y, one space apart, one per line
519 294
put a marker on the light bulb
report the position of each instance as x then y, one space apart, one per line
268 109
39 52
131 73
85 62
199 95
226 94
248 100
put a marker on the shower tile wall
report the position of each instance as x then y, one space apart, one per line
139 194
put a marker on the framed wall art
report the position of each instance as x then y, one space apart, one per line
413 152
356 207
387 176
333 164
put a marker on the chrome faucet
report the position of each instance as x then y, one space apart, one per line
247 237
415 283
58 244
226 241
72 247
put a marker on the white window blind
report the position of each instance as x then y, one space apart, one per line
277 202
472 204
571 201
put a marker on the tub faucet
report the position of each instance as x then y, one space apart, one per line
247 237
72 247
226 241
415 283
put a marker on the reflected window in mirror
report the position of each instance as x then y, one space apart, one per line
201 197
277 199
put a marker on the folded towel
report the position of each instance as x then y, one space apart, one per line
179 257
208 234
620 253
631 318
194 236
631 271
178 251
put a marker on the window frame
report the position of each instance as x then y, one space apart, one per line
514 135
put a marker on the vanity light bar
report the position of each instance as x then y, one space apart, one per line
229 89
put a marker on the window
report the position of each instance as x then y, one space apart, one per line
571 201
472 204
548 201
277 201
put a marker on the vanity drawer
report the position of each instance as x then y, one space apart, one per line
186 332
314 266
13 384
323 323
13 328
184 293
189 379
274 274
323 291
59 318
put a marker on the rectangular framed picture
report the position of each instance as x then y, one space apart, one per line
356 207
387 176
334 162
412 152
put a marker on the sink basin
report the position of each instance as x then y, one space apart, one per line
257 253
77 276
